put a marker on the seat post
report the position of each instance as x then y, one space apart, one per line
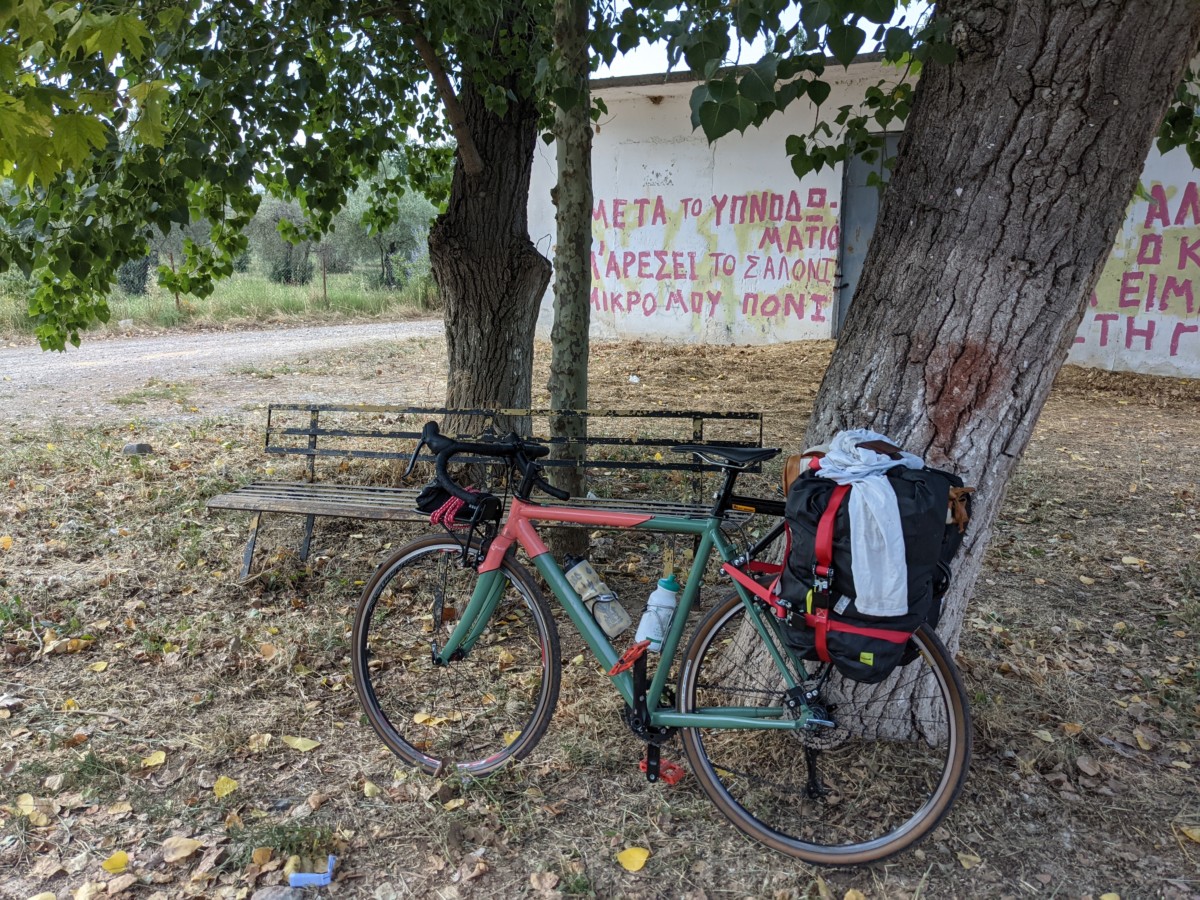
724 496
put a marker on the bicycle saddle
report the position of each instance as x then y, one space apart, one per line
735 456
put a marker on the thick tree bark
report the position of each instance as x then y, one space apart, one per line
489 273
1014 173
572 274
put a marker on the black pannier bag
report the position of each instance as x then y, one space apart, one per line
818 581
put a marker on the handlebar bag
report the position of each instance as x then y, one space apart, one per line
818 579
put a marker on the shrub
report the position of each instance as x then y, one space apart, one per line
133 275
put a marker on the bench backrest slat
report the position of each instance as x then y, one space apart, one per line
287 436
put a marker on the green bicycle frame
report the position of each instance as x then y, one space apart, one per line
518 529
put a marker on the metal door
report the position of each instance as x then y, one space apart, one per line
860 209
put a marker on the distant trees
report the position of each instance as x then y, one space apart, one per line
389 251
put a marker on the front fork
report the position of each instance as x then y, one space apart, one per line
471 624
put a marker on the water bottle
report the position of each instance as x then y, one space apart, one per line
600 601
659 610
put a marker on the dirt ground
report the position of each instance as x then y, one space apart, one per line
151 703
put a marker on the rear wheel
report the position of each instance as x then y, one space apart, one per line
475 713
870 785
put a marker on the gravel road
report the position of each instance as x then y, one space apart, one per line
190 375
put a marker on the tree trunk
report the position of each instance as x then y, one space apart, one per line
1014 172
489 273
573 275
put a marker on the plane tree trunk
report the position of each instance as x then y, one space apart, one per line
490 275
1014 174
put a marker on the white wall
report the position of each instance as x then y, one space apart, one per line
700 243
1144 315
721 244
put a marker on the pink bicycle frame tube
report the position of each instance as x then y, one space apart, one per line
518 527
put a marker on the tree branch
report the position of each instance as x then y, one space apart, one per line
472 161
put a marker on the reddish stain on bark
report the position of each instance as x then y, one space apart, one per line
961 381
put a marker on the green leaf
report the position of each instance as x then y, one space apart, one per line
723 90
718 119
897 42
76 135
700 96
879 12
747 112
112 34
818 91
815 14
844 42
758 84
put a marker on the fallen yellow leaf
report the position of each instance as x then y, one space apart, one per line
1043 735
262 855
267 651
1192 832
157 758
371 789
259 742
6 542
455 803
116 863
1087 580
98 666
120 808
1071 728
44 895
968 860
633 859
299 743
854 894
70 704
224 786
1143 741
177 848
510 736
1111 895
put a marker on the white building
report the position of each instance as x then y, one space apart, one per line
721 243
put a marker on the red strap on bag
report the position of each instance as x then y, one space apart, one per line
821 616
824 546
818 620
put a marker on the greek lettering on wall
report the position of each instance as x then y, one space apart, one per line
747 266
1145 312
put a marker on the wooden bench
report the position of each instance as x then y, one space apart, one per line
359 437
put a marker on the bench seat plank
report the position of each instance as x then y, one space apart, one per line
390 503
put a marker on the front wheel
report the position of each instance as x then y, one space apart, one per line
870 785
473 714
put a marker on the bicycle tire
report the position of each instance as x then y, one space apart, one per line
886 793
476 713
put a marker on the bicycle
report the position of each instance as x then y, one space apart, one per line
456 662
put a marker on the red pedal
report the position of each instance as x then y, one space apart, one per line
629 657
668 772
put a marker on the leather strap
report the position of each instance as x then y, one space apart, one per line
883 448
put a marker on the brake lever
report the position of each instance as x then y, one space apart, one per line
412 463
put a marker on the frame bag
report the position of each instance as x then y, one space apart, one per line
818 582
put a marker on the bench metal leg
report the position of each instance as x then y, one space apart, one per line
248 554
307 541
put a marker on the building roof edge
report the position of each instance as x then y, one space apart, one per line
685 76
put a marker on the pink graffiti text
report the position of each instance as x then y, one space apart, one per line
1136 336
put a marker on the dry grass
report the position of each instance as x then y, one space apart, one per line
1085 693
